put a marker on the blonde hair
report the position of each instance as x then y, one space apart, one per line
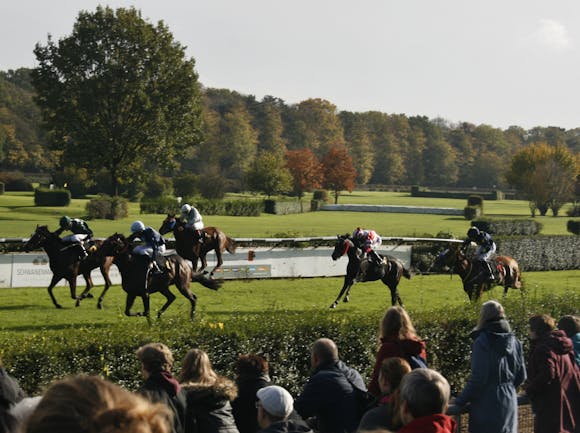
393 369
155 357
397 323
490 311
196 368
90 404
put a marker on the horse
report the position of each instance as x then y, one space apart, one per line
389 272
188 246
506 271
64 263
139 280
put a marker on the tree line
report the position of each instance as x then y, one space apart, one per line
117 103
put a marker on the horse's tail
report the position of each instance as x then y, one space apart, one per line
407 273
210 283
230 245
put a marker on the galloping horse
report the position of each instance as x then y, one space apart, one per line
138 280
188 247
506 270
64 263
389 272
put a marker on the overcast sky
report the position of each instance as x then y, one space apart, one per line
514 62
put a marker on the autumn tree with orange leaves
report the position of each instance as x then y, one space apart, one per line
339 171
306 170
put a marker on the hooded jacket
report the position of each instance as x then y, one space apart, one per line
162 387
437 423
287 426
208 407
497 369
554 384
244 406
393 347
10 390
329 396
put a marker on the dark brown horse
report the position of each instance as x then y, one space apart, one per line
139 280
188 246
64 263
389 272
506 270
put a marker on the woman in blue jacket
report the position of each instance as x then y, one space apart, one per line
497 369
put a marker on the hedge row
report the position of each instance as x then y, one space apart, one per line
284 337
542 253
51 197
417 191
280 207
573 226
107 207
505 227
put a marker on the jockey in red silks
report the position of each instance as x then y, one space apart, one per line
368 240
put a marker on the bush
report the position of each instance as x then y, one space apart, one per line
106 207
321 195
279 207
471 212
509 227
573 227
185 185
51 197
230 207
157 186
475 200
159 205
15 181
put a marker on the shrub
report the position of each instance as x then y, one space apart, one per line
185 185
157 186
230 207
509 227
321 195
159 205
573 227
106 207
574 211
1 188
51 197
471 212
15 181
475 200
279 207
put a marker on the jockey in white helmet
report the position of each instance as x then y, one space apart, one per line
193 220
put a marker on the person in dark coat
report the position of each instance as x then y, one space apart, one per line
554 378
329 396
160 386
497 369
10 391
275 405
571 326
208 396
252 374
398 338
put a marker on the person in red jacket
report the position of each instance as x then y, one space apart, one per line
424 396
553 378
398 338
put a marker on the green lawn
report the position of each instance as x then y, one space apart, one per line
19 216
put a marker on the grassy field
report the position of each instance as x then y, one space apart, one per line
19 216
30 311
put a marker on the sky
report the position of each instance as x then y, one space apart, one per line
500 63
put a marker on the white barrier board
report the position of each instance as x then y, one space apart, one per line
32 270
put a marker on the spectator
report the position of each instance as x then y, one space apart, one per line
88 404
8 423
424 395
251 375
330 395
398 338
554 381
386 415
497 369
571 326
208 396
22 410
275 405
159 385
10 390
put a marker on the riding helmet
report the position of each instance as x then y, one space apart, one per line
185 208
137 226
473 232
65 222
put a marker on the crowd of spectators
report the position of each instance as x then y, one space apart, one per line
402 396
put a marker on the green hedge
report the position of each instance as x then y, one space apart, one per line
285 338
51 197
507 227
573 226
107 207
280 207
472 212
417 191
159 205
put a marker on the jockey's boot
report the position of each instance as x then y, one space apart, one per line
375 258
83 254
489 272
201 236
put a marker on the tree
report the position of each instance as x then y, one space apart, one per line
118 93
545 174
306 170
269 175
339 172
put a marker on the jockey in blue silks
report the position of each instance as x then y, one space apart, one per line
154 242
485 248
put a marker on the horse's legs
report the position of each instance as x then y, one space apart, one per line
348 282
129 304
203 259
170 298
220 261
85 293
185 291
53 282
105 271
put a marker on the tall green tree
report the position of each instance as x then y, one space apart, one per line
118 93
268 174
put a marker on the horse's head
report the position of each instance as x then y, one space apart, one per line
341 247
38 238
450 256
114 245
168 224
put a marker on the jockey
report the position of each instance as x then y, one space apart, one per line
193 221
80 233
368 240
486 247
154 243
